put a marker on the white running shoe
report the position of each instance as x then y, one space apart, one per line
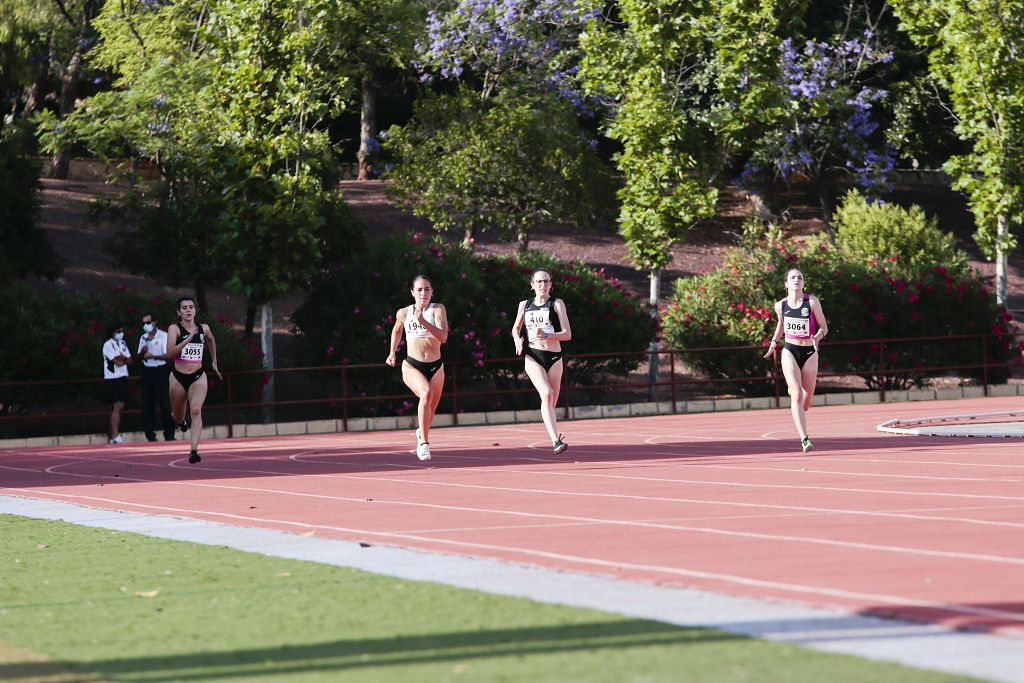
423 451
117 439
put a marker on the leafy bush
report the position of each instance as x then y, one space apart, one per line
880 299
348 315
868 232
59 336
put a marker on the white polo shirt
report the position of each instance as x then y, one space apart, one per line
111 349
156 346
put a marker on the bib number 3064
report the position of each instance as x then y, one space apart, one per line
798 327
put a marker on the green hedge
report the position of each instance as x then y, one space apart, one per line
878 299
349 313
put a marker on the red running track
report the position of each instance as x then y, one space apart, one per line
922 528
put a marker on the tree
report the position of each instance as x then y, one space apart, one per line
506 163
827 130
685 82
229 99
517 154
381 35
680 78
24 249
976 52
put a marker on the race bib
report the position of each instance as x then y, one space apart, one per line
192 353
797 327
536 321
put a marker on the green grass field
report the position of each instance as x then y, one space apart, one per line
85 604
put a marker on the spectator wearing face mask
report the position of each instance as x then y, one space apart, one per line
116 358
155 374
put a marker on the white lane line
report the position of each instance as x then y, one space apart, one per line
802 510
536 491
521 514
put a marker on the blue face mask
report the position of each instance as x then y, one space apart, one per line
148 327
119 336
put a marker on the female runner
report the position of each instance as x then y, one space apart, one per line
547 326
802 321
426 327
188 383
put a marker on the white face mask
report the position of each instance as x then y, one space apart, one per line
148 327
119 336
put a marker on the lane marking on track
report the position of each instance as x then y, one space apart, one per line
520 514
789 587
532 491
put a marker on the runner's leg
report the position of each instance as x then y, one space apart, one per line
535 371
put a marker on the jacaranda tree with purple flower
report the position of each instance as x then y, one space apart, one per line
827 129
510 44
505 150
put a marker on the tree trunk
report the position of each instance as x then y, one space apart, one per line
250 318
523 237
653 365
33 98
469 237
267 346
1002 258
368 144
68 93
200 295
827 200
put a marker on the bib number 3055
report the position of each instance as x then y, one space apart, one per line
192 352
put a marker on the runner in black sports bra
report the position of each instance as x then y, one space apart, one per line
546 323
188 384
802 323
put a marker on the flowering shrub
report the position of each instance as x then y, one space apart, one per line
883 298
60 337
481 295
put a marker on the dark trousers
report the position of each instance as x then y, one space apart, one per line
155 390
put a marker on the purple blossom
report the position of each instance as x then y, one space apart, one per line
831 111
508 40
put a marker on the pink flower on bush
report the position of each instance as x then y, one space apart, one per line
854 287
330 351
